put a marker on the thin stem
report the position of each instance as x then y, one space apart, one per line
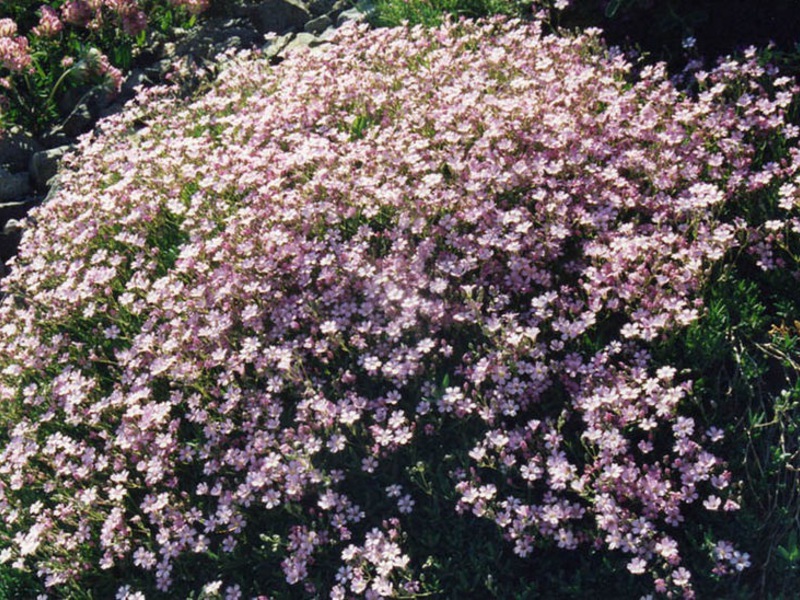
58 83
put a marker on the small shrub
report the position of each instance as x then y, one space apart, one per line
268 340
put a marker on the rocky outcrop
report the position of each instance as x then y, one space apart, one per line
318 24
13 185
44 165
16 150
28 164
278 16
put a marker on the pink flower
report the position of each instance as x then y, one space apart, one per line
14 53
134 22
681 577
637 566
76 12
8 28
193 6
49 23
740 560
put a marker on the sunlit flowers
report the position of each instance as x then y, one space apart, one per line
238 313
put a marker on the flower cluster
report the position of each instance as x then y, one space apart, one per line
14 54
367 569
239 306
35 61
93 14
49 23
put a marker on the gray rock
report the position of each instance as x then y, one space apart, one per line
358 14
135 78
341 5
16 151
55 138
12 227
112 109
156 71
11 213
87 111
320 7
8 247
318 25
69 99
234 41
327 35
13 186
54 186
279 16
168 50
44 166
217 36
14 211
302 40
276 45
79 121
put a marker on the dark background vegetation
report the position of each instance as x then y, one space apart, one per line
658 27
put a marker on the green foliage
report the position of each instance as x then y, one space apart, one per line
744 357
391 13
15 584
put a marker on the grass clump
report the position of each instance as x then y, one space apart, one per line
431 13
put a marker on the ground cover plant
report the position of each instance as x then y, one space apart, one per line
49 48
376 320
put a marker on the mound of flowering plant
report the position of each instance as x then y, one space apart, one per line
241 320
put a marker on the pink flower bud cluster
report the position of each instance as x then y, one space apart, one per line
49 23
111 74
130 14
76 12
228 300
195 7
14 53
